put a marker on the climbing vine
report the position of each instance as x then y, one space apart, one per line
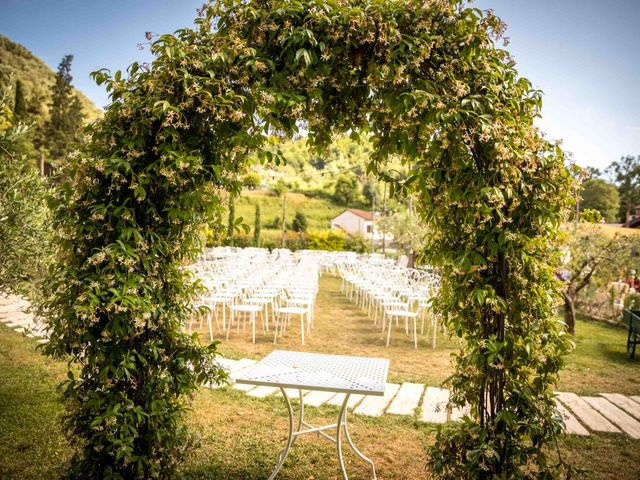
425 81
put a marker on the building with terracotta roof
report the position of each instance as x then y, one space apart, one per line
358 222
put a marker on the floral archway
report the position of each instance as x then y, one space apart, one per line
425 81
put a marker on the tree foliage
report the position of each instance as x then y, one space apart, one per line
593 260
346 189
33 86
23 211
427 83
626 174
252 181
20 104
407 230
602 196
231 221
299 223
36 78
62 128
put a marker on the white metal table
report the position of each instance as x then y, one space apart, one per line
316 371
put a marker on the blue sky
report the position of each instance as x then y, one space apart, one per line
584 54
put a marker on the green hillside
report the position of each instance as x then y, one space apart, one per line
318 211
36 77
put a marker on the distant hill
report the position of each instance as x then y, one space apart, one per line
37 78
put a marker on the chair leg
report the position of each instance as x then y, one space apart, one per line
435 331
229 325
375 313
224 314
253 327
389 330
275 328
220 330
209 315
415 335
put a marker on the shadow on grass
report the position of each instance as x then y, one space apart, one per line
615 355
223 471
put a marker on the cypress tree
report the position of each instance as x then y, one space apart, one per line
256 228
20 104
63 126
232 221
299 223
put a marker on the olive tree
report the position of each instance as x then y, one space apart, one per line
23 210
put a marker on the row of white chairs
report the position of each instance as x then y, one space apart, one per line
250 284
391 294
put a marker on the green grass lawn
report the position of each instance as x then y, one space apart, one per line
600 363
240 436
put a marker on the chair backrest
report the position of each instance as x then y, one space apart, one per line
632 319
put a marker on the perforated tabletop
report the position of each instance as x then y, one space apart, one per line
318 371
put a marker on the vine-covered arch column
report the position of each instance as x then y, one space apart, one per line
425 81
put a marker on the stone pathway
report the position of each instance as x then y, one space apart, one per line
608 412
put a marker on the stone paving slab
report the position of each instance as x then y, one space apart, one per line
246 362
625 403
635 398
586 413
294 394
572 425
338 399
21 322
243 386
228 364
13 306
625 422
17 315
374 406
317 398
457 413
434 406
262 391
407 399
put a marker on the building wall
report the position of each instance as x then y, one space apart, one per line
355 225
350 223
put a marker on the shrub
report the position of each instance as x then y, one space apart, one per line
357 243
331 240
299 223
279 188
252 181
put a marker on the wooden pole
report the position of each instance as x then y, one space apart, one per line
373 219
284 222
384 214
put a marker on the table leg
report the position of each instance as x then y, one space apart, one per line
294 433
341 418
355 449
285 451
342 422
